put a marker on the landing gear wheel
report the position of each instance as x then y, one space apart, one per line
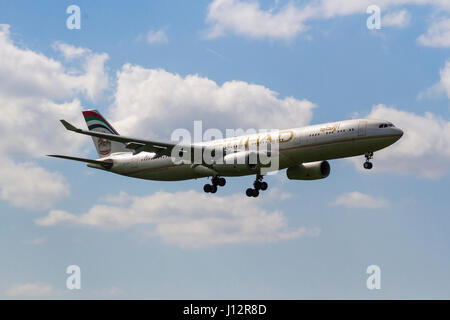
213 188
368 165
258 184
263 186
207 188
222 182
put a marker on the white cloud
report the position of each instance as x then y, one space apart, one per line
247 18
156 36
36 92
332 8
149 102
360 200
30 186
424 149
27 73
399 19
33 128
69 51
440 88
29 290
437 35
121 198
189 219
444 84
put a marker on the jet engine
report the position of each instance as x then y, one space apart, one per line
309 171
240 161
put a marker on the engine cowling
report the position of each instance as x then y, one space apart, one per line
241 161
309 171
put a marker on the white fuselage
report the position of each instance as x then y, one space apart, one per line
300 145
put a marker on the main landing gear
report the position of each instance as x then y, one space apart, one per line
257 185
215 181
368 164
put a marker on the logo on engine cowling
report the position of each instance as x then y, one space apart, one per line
104 146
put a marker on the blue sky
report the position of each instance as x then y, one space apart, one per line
231 64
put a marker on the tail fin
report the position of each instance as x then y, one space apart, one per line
97 123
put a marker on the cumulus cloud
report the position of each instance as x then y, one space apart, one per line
437 35
117 199
189 219
27 73
423 150
399 19
36 92
247 18
28 290
30 186
70 52
360 200
156 36
332 8
149 102
440 88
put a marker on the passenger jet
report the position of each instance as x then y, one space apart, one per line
302 151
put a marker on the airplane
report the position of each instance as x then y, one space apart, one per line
304 152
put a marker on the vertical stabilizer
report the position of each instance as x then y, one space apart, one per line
97 123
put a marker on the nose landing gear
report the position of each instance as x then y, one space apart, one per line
257 185
216 181
368 165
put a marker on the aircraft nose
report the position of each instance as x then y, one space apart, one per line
399 132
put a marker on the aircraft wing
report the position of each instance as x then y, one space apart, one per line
136 144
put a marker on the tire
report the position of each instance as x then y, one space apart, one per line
222 182
370 165
257 185
264 186
367 165
255 193
207 188
249 192
213 189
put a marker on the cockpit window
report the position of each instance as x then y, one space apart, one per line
385 125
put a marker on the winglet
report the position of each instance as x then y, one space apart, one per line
69 127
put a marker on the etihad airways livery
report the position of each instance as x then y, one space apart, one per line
303 151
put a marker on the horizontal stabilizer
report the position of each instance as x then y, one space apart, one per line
68 126
104 164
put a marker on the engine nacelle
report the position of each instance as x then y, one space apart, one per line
240 161
309 171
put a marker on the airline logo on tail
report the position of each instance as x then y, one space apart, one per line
104 147
96 122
